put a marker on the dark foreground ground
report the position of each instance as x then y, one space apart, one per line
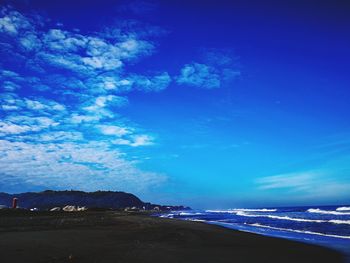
120 237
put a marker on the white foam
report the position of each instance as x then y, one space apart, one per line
234 211
171 215
167 216
195 220
343 208
299 231
283 218
293 218
189 214
327 212
254 210
220 211
347 222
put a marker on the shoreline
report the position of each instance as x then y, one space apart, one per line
137 237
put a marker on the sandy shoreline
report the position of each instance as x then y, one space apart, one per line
121 237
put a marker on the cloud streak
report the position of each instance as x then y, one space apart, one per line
316 184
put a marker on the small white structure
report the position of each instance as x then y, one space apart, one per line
55 209
130 209
69 208
83 208
73 208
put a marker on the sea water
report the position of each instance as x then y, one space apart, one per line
327 226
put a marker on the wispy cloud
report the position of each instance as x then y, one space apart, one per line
295 181
139 7
216 70
321 184
199 75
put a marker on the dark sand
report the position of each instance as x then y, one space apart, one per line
120 237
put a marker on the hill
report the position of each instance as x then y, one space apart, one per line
100 199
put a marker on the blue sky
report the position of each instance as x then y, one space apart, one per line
208 104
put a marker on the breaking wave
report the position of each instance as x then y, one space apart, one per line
347 222
327 212
343 208
299 231
189 214
171 215
296 218
283 218
236 210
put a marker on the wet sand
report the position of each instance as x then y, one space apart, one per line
27 237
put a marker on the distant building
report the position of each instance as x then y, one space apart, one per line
14 203
55 209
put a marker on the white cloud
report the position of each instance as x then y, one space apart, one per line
313 185
113 130
219 57
71 62
35 123
9 107
199 75
131 48
155 83
85 55
61 136
217 67
77 119
113 83
102 62
30 42
11 128
57 107
12 22
62 41
91 166
23 124
102 102
142 140
135 141
10 86
109 84
10 74
13 102
292 180
34 105
52 142
7 25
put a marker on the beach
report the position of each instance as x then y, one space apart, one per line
111 236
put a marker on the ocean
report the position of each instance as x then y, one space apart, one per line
323 225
